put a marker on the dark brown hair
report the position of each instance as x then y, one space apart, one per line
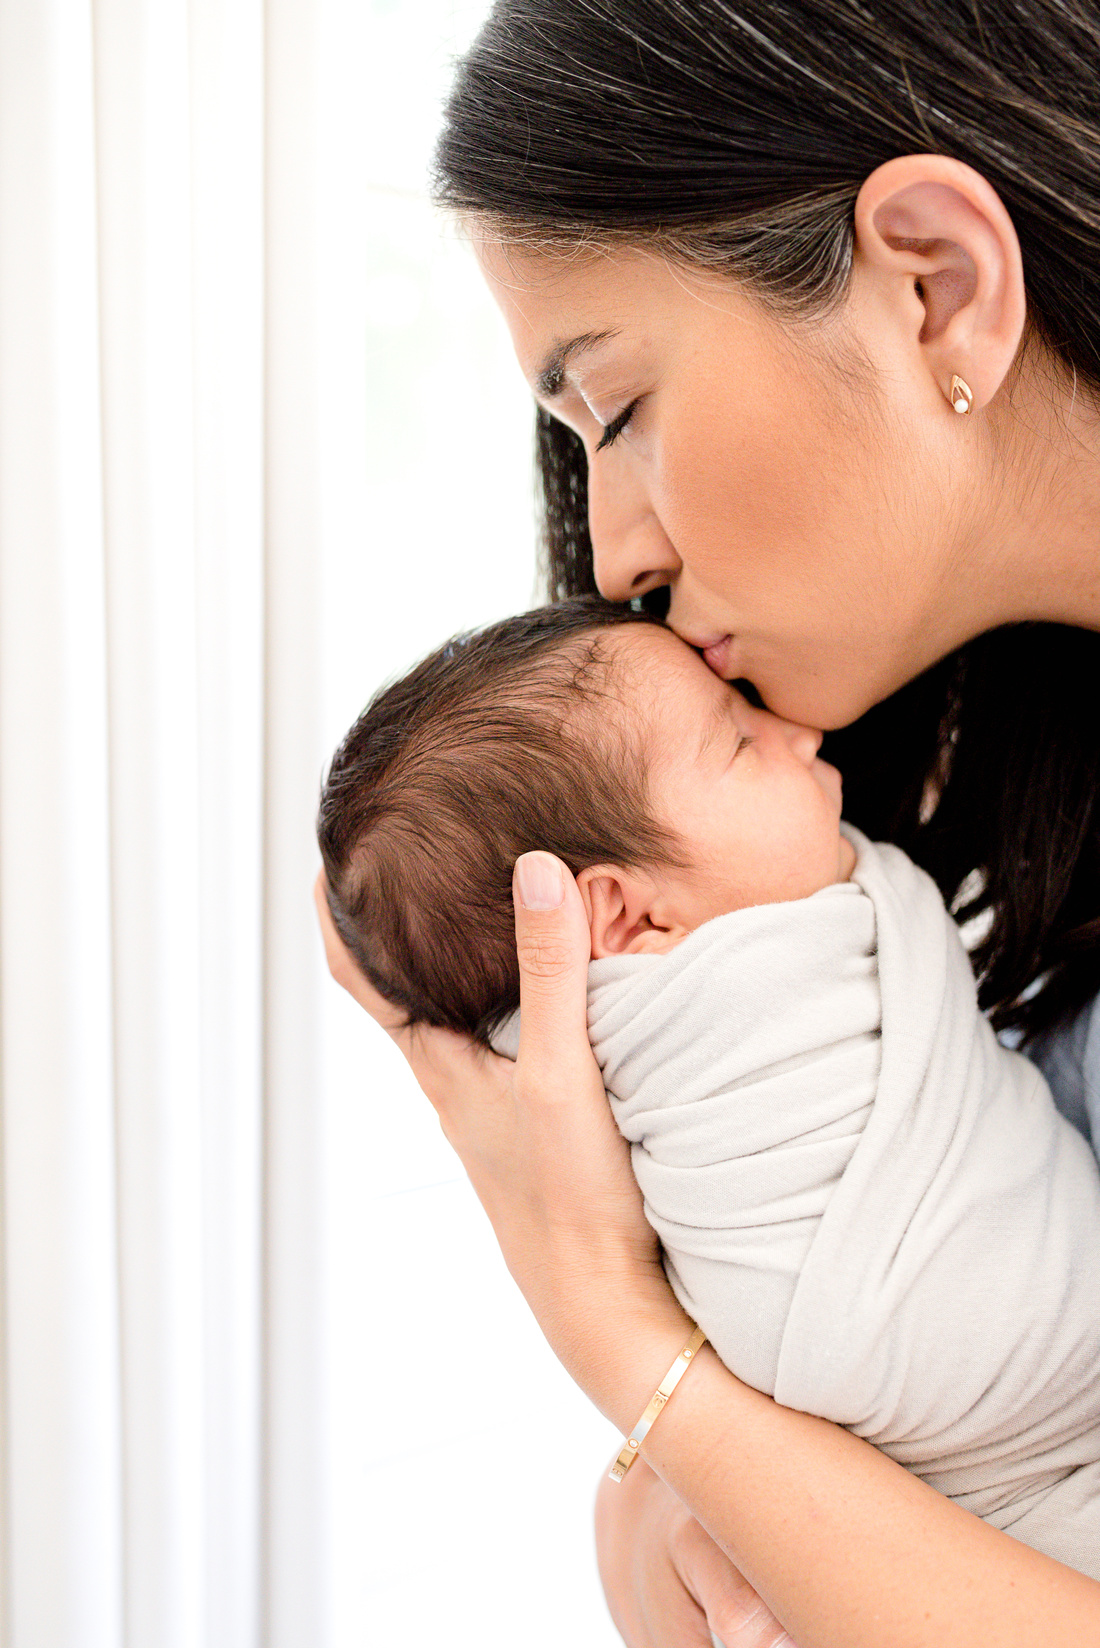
485 750
737 136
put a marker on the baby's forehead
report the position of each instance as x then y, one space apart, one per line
643 653
651 639
657 688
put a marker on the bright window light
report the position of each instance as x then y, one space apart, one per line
448 1522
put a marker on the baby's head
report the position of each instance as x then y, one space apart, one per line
592 732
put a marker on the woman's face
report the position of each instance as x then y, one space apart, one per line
794 483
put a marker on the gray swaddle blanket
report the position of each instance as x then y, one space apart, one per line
871 1207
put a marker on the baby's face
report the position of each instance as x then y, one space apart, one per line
756 814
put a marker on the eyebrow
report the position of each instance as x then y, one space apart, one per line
713 725
550 380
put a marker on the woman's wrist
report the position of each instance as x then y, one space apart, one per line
620 1346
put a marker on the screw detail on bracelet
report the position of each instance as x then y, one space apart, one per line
629 1452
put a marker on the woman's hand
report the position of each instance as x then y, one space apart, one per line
665 1579
542 1151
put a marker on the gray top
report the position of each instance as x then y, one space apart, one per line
1069 1058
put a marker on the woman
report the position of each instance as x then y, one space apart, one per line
810 299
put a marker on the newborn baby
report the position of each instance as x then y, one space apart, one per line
873 1210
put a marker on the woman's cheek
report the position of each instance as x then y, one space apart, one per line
742 523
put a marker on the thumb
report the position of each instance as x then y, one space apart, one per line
554 944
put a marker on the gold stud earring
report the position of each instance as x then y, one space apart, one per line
962 396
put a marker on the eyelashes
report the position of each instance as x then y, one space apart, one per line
615 428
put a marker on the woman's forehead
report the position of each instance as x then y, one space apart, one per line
550 301
561 308
547 268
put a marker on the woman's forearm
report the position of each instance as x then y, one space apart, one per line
846 1547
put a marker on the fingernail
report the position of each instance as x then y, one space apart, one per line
539 879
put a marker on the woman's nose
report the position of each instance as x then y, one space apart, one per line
630 548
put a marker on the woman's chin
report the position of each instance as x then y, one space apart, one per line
816 700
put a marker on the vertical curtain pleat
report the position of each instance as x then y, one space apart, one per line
149 465
63 1523
295 1534
226 101
161 1371
180 168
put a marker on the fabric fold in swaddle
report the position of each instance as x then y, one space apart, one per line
871 1207
742 1067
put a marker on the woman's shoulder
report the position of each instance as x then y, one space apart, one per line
1069 1057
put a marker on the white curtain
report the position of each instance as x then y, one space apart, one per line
158 761
262 442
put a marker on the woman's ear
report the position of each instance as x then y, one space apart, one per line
937 245
624 914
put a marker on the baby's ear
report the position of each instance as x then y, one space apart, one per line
622 908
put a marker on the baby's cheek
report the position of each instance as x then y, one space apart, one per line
809 860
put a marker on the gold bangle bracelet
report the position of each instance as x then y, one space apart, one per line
660 1396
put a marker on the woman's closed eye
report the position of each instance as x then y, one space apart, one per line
614 429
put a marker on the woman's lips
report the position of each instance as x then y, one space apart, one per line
719 651
718 656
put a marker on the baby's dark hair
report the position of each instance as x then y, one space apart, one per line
489 748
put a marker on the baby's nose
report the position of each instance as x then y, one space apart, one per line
804 741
